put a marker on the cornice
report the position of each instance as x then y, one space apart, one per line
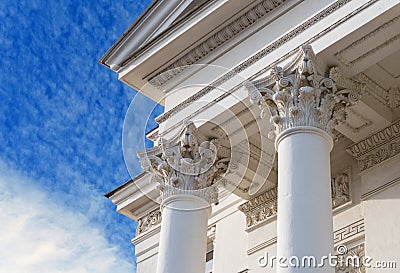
215 41
258 56
376 142
156 12
121 191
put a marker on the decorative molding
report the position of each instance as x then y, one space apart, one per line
383 153
260 209
387 97
149 221
356 255
272 47
262 246
263 208
215 41
349 232
380 189
394 98
374 50
340 56
299 94
189 163
377 147
377 92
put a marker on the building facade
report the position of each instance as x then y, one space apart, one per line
280 139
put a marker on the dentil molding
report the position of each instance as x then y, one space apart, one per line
260 209
215 41
377 147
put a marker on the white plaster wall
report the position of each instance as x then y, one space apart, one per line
382 222
253 260
382 214
146 251
230 244
148 265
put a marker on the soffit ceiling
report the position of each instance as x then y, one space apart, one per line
371 55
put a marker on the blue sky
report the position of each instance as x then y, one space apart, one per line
61 118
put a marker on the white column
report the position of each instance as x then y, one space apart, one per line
305 102
183 237
304 197
189 169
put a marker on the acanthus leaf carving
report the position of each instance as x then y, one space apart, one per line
189 163
352 261
300 94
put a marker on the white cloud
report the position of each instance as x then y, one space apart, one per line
40 234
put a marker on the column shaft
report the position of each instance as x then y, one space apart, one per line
183 235
304 197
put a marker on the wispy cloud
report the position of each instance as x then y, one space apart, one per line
40 234
61 117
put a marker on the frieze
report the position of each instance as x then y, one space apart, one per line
149 221
377 147
260 209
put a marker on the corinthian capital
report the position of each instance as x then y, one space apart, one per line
189 163
304 93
